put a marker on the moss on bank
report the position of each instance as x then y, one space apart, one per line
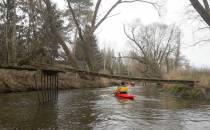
200 91
183 91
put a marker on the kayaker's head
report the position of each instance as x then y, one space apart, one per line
132 84
123 83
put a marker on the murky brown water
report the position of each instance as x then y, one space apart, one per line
97 109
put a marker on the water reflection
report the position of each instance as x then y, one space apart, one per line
99 109
20 111
74 109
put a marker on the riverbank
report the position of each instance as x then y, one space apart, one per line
201 90
186 92
23 81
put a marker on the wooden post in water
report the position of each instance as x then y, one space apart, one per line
36 86
48 90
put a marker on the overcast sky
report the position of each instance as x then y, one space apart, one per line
110 33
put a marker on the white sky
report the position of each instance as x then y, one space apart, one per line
110 33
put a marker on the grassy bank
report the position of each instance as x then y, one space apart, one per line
21 81
186 92
201 90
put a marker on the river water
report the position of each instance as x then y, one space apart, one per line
97 109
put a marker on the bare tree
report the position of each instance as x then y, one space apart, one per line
154 46
94 23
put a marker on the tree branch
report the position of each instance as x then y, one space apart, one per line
75 21
206 4
155 5
107 14
201 10
167 45
95 13
134 40
199 42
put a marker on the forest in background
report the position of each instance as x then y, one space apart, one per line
37 32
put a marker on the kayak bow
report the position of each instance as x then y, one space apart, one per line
126 96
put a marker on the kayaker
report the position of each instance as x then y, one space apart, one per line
132 84
122 89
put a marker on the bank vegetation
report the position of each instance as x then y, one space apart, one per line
38 32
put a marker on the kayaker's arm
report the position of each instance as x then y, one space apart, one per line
117 90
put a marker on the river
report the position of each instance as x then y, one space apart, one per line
97 109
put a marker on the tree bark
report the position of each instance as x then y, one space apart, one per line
201 10
11 21
177 55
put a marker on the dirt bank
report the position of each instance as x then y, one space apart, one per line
20 81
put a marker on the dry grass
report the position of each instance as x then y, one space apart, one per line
201 75
15 81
